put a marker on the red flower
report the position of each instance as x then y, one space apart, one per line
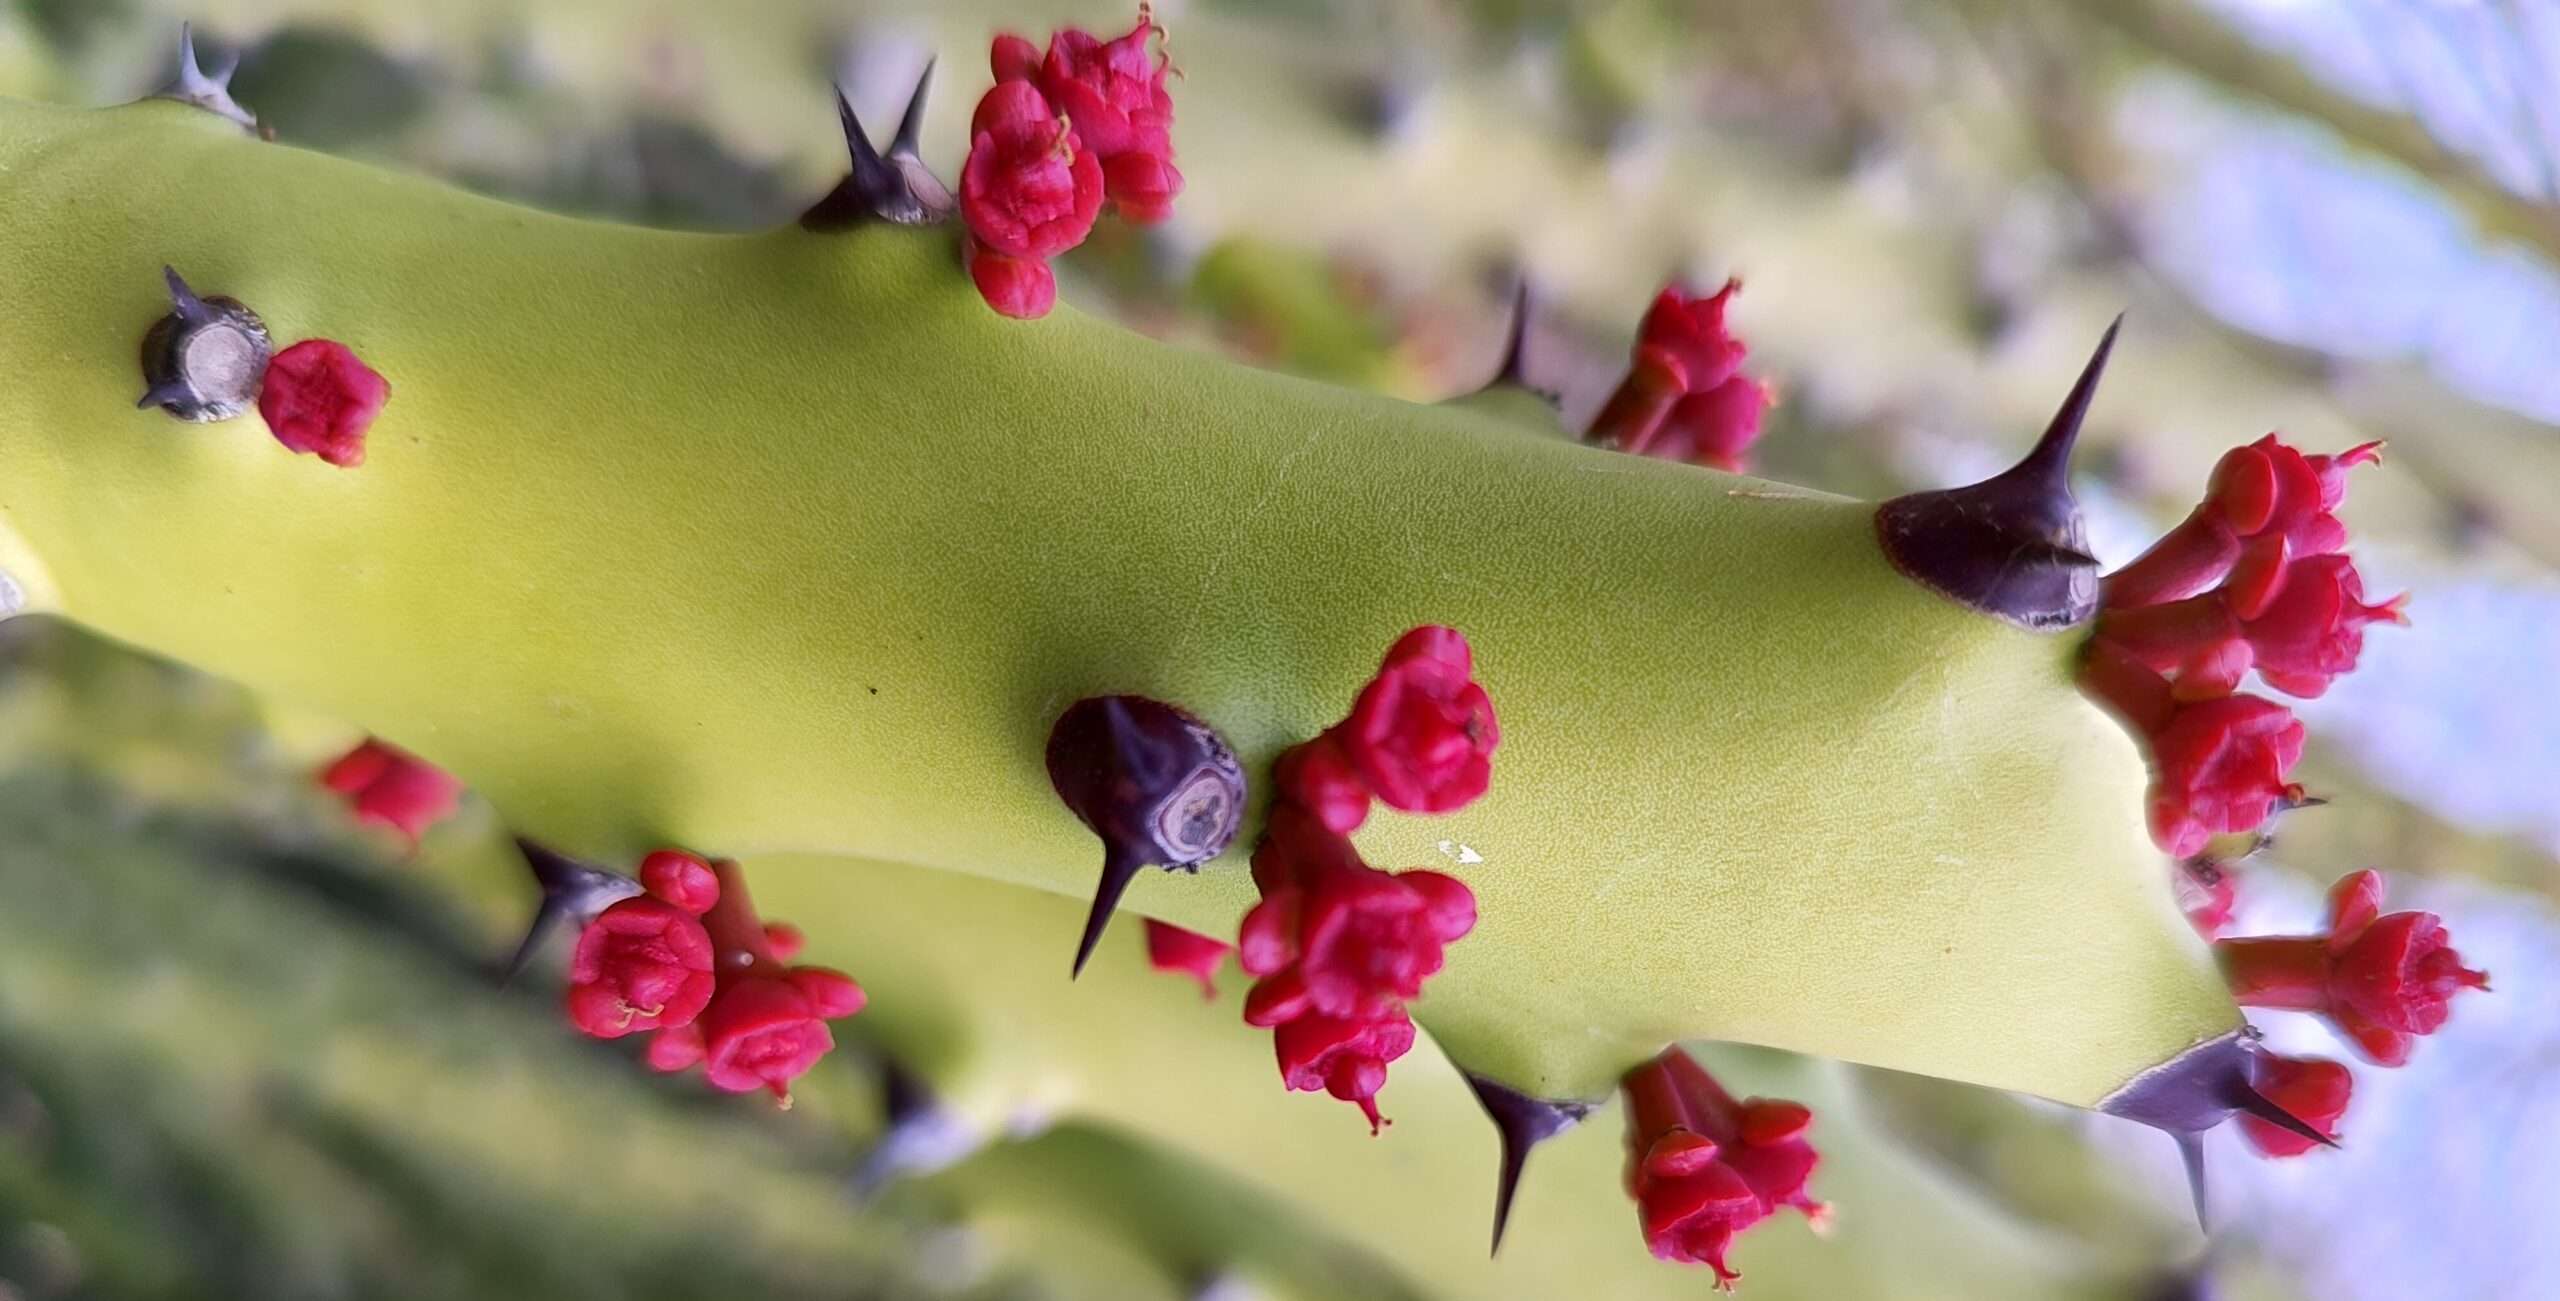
762 1033
1685 398
2313 1089
386 784
1029 188
2300 625
1703 1167
675 1048
319 397
2220 767
1172 949
681 879
2251 580
1113 89
1340 938
1141 187
641 964
1020 287
2267 497
1346 1057
1318 778
716 990
2380 980
1716 427
1422 733
1114 92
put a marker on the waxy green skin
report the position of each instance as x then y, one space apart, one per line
785 543
1128 1048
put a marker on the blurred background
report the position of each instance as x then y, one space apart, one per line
236 1029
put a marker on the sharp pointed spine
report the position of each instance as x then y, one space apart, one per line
2191 1153
2048 463
911 124
1117 872
2013 546
208 91
1521 1122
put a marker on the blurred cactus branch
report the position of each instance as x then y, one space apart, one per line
2068 135
2187 36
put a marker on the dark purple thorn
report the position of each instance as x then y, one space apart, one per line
1522 1122
571 891
2197 1090
1156 784
2012 546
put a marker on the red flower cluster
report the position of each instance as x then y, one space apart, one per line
319 397
388 785
690 960
1338 947
1686 398
2314 1089
1053 138
1420 737
1703 1167
2252 580
1114 93
2380 980
1190 953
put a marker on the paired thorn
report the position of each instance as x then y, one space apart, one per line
2014 545
206 358
208 91
571 891
896 187
2197 1090
1522 1122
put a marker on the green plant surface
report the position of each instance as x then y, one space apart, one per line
249 1089
307 1029
728 542
1005 1043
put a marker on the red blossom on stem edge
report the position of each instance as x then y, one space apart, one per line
690 960
2381 979
2218 766
1420 737
2266 499
1703 1167
319 397
2252 581
1029 191
1177 951
1685 398
388 785
1337 946
2313 1089
1114 92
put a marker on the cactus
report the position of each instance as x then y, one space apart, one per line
784 544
